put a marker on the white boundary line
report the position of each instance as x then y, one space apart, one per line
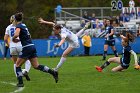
20 89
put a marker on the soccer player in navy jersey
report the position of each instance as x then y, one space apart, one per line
28 51
109 40
124 61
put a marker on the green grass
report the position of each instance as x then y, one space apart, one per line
77 75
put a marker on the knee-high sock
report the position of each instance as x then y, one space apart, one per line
62 60
116 53
45 69
15 69
105 54
19 75
80 32
105 64
27 65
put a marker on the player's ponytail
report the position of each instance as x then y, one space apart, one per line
130 37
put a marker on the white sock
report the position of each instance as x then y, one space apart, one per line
80 32
27 65
15 69
62 60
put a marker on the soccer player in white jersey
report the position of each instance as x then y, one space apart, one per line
15 48
66 35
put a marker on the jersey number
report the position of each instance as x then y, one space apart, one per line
12 30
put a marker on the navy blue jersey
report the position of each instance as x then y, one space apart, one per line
108 31
24 35
126 55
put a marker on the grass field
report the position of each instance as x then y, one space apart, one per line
77 75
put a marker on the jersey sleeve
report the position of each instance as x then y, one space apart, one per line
63 35
7 31
111 28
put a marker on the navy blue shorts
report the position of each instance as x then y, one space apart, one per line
28 52
125 66
110 42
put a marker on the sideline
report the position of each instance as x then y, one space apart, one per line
20 89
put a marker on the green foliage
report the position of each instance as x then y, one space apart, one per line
33 9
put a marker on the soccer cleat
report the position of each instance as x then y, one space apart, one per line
25 74
88 25
99 69
20 85
55 75
137 67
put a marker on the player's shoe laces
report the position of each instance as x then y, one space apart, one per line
26 76
99 69
20 85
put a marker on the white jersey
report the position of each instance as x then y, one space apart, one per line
70 37
10 30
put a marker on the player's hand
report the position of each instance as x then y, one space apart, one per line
56 45
40 20
16 40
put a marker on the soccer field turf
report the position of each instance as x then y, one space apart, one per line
77 75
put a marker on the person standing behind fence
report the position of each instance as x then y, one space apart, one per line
109 40
131 5
86 41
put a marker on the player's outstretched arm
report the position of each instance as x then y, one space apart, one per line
42 21
60 43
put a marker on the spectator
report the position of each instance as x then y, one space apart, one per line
97 31
131 5
126 18
132 13
125 10
121 24
121 17
93 17
83 23
86 41
138 12
117 20
86 17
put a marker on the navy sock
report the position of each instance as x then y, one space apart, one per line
105 53
45 69
19 75
116 53
105 64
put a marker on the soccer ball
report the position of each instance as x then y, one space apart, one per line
23 71
137 67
